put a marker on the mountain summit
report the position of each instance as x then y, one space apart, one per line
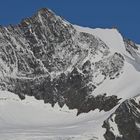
90 77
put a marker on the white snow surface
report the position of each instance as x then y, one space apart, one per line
127 84
111 37
31 119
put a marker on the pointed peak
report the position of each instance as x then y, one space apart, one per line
45 11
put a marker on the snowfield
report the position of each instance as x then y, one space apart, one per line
111 37
31 119
128 82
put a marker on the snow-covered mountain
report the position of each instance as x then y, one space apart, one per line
60 81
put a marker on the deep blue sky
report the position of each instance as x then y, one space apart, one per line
123 14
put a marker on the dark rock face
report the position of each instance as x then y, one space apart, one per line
71 89
127 120
45 57
130 45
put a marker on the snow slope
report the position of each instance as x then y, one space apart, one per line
127 85
123 86
33 120
111 37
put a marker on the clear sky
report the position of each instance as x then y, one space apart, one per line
123 14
